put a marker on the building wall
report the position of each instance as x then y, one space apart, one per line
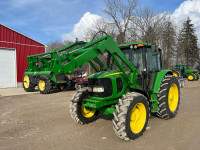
24 46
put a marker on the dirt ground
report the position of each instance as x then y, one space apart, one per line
14 91
35 121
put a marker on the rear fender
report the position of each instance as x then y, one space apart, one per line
159 79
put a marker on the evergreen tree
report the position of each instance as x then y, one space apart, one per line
168 44
187 44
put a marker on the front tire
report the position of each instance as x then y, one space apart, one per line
78 112
168 97
131 116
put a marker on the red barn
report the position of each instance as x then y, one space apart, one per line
14 48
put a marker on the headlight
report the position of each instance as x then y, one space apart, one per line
98 89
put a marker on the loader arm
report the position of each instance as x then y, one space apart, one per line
87 53
46 58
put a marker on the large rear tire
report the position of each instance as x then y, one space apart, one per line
168 97
27 84
79 112
131 116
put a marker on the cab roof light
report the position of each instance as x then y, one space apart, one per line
140 45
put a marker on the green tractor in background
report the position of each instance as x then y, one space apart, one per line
131 85
182 70
45 70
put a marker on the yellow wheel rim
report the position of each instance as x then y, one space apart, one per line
175 74
138 118
87 113
41 85
190 77
61 87
173 97
26 81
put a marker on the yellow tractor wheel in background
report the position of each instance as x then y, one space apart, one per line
41 85
191 77
26 81
176 73
27 84
44 85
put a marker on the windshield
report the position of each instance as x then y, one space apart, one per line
180 67
135 57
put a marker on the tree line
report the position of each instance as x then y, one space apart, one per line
126 22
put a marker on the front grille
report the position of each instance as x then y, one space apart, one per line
102 82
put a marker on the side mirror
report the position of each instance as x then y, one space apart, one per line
155 50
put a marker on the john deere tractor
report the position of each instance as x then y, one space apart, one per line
131 85
182 70
46 70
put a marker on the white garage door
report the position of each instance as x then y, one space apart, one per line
7 68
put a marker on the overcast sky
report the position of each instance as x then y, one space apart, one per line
51 20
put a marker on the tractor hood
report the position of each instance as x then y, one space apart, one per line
105 74
190 70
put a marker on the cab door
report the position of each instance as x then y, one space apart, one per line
153 64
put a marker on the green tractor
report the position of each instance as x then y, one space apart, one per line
45 70
182 70
131 85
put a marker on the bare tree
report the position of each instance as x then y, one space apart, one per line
149 26
67 42
121 13
57 44
99 25
54 45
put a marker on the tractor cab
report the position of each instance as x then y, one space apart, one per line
146 59
181 68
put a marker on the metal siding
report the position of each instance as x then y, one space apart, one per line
22 51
